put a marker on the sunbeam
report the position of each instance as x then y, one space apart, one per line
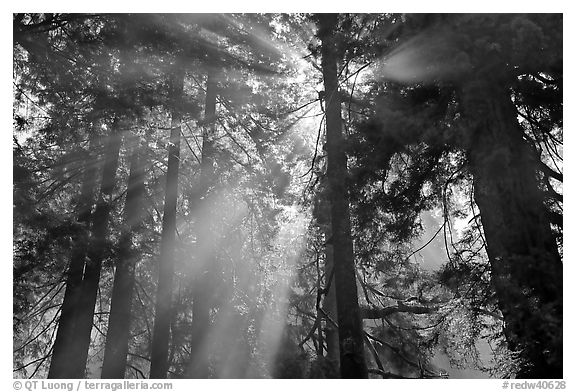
287 195
282 261
429 56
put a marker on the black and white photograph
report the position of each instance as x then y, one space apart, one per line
287 196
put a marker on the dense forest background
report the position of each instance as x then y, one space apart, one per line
287 195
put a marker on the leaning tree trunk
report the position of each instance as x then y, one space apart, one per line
89 291
117 337
352 361
204 282
62 359
525 263
163 314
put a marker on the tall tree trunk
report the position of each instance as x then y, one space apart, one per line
204 281
91 279
117 337
525 263
62 360
352 361
163 315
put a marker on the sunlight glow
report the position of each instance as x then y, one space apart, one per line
214 220
283 258
427 57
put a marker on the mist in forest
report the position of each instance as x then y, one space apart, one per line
201 196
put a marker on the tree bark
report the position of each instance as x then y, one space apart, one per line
525 263
352 361
62 359
161 335
117 337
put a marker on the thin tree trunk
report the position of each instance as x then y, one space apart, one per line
62 359
117 337
352 361
526 265
163 315
89 290
204 282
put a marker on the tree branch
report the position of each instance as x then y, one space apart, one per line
386 374
378 313
551 173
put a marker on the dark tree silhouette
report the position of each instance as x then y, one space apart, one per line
352 362
163 313
118 335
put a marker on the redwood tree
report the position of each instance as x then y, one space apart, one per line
163 315
117 337
62 360
96 251
525 264
203 281
352 361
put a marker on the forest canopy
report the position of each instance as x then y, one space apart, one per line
287 195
